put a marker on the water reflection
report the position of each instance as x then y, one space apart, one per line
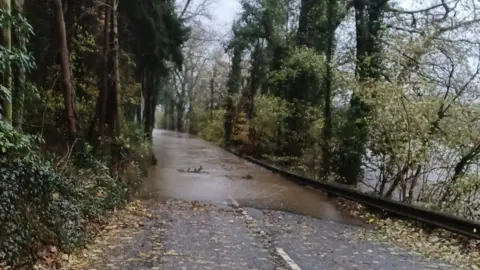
226 175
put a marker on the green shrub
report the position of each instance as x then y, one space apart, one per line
138 150
269 121
212 129
31 192
14 143
46 204
41 206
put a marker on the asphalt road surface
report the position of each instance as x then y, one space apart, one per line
208 209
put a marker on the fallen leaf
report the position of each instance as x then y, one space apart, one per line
171 253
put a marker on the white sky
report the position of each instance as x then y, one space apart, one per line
223 12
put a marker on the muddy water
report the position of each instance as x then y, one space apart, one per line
224 175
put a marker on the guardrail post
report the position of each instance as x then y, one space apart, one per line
331 195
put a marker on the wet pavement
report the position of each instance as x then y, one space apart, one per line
187 220
185 235
321 244
224 175
180 235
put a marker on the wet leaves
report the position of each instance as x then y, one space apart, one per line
316 241
437 244
149 235
193 170
171 253
146 235
247 176
114 236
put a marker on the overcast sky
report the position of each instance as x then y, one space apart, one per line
223 12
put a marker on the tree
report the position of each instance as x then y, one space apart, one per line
68 91
368 20
115 84
327 89
233 85
179 94
157 21
196 55
70 132
6 42
211 101
368 93
19 83
16 62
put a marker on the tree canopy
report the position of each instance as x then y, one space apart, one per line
81 81
364 93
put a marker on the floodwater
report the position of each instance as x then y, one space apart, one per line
224 176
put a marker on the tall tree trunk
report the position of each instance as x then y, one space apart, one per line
151 96
305 34
7 75
154 101
116 71
191 115
304 88
100 116
147 102
228 124
255 82
142 96
138 114
165 115
327 91
212 92
368 20
180 110
103 96
234 83
171 112
18 96
68 91
18 99
181 106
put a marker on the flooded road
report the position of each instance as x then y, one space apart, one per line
224 175
179 232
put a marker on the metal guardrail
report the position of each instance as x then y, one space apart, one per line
451 223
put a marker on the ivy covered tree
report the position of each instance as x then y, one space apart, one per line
15 55
74 141
359 92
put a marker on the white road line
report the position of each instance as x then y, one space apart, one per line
280 251
287 259
234 202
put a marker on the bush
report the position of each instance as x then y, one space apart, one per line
270 114
14 143
40 206
212 129
42 203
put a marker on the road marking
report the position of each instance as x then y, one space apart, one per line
280 251
234 202
287 259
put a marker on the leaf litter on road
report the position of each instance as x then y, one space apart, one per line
159 235
436 244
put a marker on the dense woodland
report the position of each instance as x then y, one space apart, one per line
378 94
80 85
